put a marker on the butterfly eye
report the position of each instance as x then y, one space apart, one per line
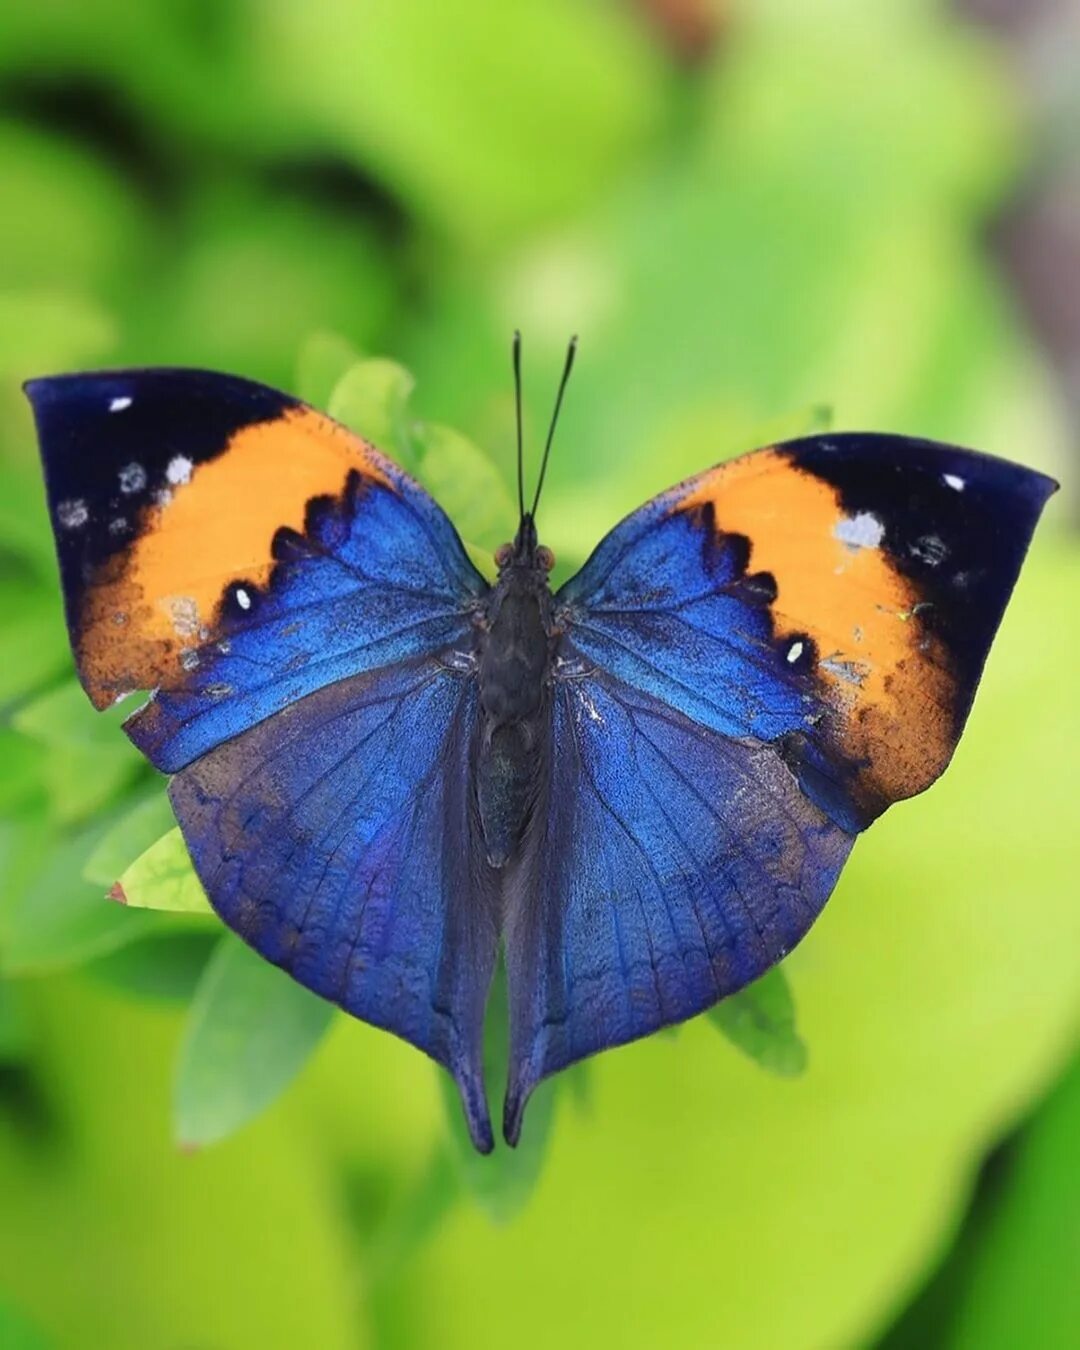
545 558
503 554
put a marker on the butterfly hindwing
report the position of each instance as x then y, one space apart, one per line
335 839
835 596
674 865
233 550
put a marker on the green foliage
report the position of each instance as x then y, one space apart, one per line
249 1032
162 877
760 1020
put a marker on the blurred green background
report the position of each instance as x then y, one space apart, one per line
750 212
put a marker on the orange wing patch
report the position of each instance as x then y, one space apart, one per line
213 525
888 678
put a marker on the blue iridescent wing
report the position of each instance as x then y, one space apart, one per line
337 839
300 610
674 865
754 665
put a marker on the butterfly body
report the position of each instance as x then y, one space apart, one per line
642 787
517 640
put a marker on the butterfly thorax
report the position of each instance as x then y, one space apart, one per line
515 647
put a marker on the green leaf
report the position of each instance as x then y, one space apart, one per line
22 783
371 398
61 920
165 966
502 1181
89 761
249 1033
325 358
163 878
467 485
1021 1280
34 642
126 841
64 716
760 1021
14 1032
17 1332
40 329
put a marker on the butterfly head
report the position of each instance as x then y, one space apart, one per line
526 553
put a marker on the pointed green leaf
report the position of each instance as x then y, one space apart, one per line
126 841
760 1021
249 1033
163 878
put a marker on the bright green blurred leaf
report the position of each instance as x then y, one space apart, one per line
18 1332
1023 1282
324 360
65 716
502 1181
467 485
163 878
14 1032
452 106
760 1021
90 762
250 1031
33 644
41 332
126 841
371 398
166 966
62 920
21 781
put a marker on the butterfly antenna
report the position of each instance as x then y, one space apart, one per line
517 401
570 353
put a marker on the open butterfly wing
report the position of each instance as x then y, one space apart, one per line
336 838
835 596
300 609
674 865
755 664
233 550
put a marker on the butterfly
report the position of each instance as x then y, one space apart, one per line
641 787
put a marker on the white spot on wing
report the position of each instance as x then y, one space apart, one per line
178 470
794 652
119 404
954 481
72 513
242 598
132 478
185 616
860 531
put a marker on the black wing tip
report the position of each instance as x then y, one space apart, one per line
43 390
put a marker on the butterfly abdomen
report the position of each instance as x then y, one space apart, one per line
515 655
